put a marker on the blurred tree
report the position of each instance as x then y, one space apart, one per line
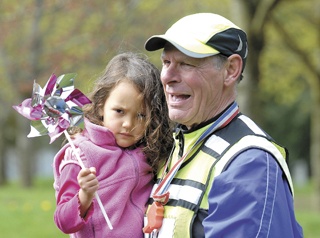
63 36
38 38
284 33
43 37
297 24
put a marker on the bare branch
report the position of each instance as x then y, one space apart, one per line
263 9
295 47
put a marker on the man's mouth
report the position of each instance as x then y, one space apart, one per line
178 98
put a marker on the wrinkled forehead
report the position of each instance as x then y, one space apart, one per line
170 51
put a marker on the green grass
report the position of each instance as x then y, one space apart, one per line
26 213
310 222
306 210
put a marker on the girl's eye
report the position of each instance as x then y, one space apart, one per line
119 111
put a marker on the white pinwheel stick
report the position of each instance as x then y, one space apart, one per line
96 195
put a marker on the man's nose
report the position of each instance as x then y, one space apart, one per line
169 75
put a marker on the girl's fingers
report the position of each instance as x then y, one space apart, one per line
92 170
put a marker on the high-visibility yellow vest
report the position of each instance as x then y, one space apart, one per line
190 187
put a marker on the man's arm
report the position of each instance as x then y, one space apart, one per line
251 198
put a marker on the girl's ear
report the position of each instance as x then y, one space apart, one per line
233 69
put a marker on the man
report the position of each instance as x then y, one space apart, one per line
226 176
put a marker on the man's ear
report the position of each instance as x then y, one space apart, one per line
233 68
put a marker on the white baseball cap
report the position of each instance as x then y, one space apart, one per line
201 35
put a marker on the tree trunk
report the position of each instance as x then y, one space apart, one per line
240 17
3 177
25 153
244 15
25 146
315 142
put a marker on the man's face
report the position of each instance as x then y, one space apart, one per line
194 87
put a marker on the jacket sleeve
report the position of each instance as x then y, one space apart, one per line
251 198
67 214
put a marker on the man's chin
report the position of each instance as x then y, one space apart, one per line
177 116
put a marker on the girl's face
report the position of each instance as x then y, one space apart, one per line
124 114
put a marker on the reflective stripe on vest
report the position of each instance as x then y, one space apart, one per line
252 141
184 193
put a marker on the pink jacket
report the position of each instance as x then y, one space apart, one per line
125 183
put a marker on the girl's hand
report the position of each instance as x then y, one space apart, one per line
89 184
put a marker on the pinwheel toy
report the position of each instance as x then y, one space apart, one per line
53 109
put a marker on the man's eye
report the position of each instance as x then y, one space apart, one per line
187 64
165 62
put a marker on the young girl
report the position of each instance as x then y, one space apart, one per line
126 137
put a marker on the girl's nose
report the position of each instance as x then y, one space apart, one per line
127 123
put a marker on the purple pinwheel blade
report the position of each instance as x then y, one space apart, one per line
60 125
26 110
55 135
50 85
78 98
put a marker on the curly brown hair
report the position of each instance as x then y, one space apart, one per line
145 76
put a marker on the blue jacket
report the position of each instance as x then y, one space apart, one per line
235 212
